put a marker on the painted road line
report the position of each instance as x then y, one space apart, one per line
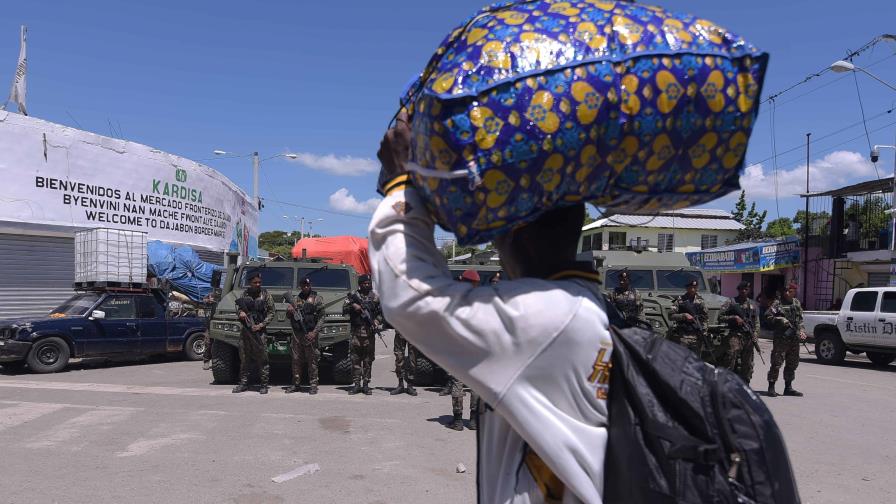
851 382
144 446
90 422
109 387
24 413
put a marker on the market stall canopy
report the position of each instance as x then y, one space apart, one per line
748 257
349 250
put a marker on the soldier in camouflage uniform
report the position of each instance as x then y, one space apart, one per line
742 316
405 365
255 318
785 315
306 316
690 319
627 300
211 305
363 347
456 387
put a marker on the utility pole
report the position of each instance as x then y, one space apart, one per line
806 230
255 167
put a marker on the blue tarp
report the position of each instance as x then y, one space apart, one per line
182 267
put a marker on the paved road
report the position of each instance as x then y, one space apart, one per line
160 432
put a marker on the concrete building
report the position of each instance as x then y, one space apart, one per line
686 230
58 180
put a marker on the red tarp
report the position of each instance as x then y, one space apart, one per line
337 250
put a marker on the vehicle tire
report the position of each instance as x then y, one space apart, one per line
225 363
194 348
425 374
342 371
880 359
48 355
829 348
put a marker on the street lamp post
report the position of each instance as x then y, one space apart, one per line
848 66
256 167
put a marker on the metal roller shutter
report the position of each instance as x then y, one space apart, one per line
878 279
36 274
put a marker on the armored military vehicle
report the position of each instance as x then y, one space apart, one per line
333 282
660 278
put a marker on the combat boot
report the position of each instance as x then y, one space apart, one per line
263 390
206 365
473 425
410 390
367 390
458 423
242 387
292 390
771 389
399 389
355 389
313 390
790 391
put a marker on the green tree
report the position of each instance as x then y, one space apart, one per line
780 228
751 219
819 224
870 216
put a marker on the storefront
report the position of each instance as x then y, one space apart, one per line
768 265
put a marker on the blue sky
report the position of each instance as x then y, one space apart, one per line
323 78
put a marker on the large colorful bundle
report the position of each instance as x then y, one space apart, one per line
535 104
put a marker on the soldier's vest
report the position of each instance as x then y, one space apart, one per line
309 312
793 312
366 303
258 308
626 303
748 312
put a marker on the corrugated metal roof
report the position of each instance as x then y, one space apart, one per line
670 220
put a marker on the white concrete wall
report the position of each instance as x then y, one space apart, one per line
686 240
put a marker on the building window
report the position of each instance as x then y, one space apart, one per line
617 240
586 243
597 241
665 242
709 241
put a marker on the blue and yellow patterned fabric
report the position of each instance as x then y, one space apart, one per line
546 103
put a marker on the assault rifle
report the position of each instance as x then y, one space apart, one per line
696 324
748 322
366 316
244 304
298 316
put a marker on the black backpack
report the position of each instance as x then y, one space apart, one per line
682 431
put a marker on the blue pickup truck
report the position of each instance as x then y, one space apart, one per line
105 323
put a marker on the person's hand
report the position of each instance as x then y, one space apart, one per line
310 336
738 320
803 336
243 315
257 327
395 150
356 307
290 309
688 316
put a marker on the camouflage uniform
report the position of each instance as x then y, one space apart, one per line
457 401
211 306
253 347
363 347
738 355
304 344
629 304
786 343
405 365
685 332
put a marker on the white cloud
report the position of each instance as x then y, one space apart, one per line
343 201
338 165
837 169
